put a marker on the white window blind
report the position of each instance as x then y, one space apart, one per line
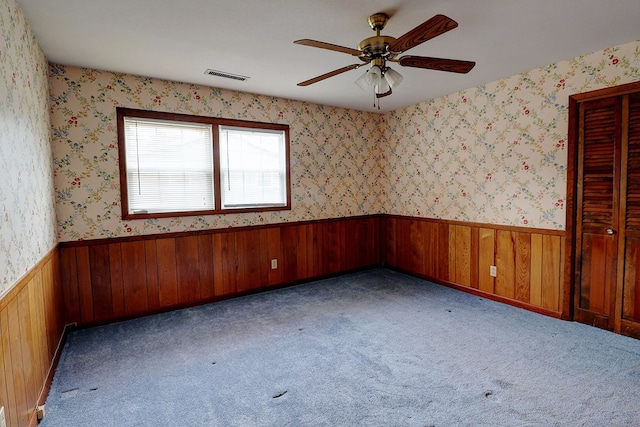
252 168
169 166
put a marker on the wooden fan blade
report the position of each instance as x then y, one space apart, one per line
440 64
330 74
435 26
329 46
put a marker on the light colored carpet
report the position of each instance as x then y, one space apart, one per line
375 348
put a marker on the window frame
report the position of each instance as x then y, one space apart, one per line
215 123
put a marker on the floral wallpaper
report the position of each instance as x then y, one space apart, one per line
27 216
334 152
495 153
491 154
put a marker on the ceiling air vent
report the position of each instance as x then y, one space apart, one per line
226 75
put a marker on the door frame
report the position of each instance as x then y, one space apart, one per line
569 262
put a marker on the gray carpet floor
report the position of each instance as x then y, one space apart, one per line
374 348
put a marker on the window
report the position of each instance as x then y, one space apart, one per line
252 167
169 166
177 164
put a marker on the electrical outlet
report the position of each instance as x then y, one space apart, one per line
493 271
274 264
3 421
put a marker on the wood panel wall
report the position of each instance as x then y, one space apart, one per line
106 280
530 269
111 279
31 327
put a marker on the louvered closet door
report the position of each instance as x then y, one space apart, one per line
598 211
630 313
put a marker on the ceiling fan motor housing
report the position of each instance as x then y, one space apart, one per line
376 47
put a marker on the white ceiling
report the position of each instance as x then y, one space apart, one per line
178 40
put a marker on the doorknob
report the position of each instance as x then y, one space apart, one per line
611 231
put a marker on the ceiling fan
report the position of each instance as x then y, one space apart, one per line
379 49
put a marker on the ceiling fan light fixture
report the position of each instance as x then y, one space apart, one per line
375 75
382 87
371 78
363 81
381 79
393 77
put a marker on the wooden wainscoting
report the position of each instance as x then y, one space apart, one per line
31 327
529 262
110 279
